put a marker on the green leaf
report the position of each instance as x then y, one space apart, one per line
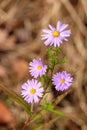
58 50
62 61
14 96
49 107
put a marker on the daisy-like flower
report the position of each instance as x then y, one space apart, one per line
37 68
32 91
62 80
55 36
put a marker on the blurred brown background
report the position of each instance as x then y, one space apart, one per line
21 23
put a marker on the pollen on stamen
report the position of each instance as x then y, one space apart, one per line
55 33
62 80
39 67
32 91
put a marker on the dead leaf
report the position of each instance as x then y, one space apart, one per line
6 117
19 67
2 71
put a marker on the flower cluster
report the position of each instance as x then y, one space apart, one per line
62 80
32 90
55 36
37 68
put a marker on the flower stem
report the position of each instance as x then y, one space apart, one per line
32 106
26 123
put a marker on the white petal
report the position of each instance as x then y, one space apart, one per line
51 27
47 31
48 41
63 27
59 25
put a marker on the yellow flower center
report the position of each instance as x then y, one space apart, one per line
62 80
39 67
55 33
32 91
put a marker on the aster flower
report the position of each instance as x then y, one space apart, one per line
37 68
62 80
32 91
55 36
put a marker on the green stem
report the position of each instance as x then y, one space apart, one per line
32 106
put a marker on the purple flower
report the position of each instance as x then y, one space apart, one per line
31 91
55 36
37 68
62 80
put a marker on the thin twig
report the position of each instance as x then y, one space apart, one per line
26 123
